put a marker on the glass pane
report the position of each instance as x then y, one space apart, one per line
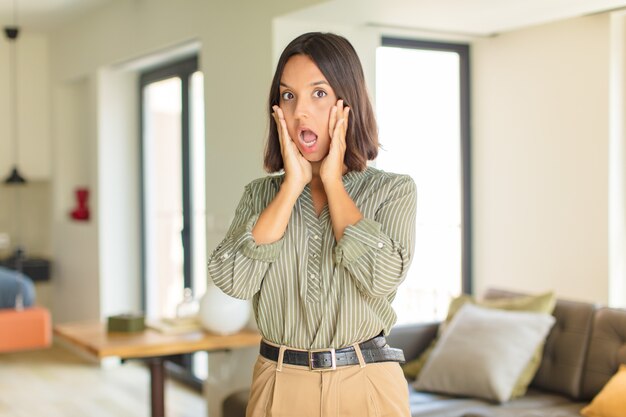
163 212
198 204
198 195
418 109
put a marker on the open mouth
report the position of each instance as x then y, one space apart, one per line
308 138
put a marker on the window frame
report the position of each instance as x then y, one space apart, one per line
178 366
463 50
183 69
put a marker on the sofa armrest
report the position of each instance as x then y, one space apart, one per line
413 339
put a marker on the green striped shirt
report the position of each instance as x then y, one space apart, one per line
308 290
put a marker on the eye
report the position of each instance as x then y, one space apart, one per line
286 95
320 93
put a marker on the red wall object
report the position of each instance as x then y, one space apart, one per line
81 212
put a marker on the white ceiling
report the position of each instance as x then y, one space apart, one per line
464 17
472 17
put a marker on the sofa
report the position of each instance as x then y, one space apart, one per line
583 350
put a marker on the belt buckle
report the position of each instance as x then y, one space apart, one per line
333 360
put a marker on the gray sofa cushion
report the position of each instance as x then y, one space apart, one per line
607 350
425 404
563 410
412 338
534 404
566 349
566 346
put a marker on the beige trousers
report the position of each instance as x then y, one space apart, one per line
366 390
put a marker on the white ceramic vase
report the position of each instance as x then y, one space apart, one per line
222 314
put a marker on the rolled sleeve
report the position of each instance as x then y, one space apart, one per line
266 252
237 266
357 239
376 253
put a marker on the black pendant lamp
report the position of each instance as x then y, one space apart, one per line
14 178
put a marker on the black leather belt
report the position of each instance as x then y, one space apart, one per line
373 350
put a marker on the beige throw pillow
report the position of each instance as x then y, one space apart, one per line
541 303
483 352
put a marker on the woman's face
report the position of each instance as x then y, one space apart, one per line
306 99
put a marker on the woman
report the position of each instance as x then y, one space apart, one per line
321 247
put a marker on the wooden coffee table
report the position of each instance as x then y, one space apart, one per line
149 345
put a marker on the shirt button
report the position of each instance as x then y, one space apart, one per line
316 236
226 255
311 275
380 245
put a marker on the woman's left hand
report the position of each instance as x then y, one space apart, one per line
332 166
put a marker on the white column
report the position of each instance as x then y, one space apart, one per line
617 162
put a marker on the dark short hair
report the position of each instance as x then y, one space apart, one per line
339 62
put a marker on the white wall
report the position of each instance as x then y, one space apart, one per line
617 162
33 106
540 159
25 210
25 217
75 260
118 188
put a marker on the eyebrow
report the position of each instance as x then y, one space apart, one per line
313 84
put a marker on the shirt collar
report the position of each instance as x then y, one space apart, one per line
355 176
348 178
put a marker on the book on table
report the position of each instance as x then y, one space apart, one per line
174 325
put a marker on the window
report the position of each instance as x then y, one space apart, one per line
422 100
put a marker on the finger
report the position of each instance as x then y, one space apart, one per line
286 136
289 147
346 115
336 137
339 114
279 112
332 120
278 130
340 111
283 122
276 118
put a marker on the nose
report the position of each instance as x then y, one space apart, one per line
302 110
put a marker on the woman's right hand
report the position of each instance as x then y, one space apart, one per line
298 171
